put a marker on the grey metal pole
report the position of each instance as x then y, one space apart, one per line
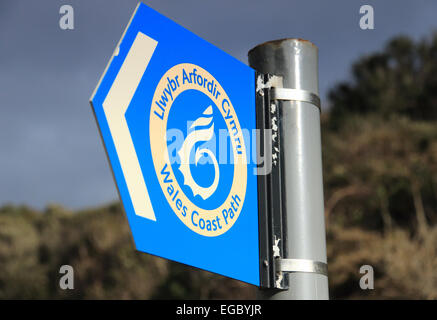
296 60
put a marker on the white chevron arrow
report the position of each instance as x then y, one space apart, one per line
115 106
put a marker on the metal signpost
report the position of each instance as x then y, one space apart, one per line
218 166
302 240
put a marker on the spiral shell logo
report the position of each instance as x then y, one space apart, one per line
211 208
189 143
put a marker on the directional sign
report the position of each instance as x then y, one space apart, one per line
177 115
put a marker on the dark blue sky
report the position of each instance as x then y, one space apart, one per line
50 147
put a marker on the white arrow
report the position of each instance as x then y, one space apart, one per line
115 106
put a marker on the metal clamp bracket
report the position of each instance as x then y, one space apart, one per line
295 95
301 265
274 268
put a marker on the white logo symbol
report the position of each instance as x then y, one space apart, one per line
184 153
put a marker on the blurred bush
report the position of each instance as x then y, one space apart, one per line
380 176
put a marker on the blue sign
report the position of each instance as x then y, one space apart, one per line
177 116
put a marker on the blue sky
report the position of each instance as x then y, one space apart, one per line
50 147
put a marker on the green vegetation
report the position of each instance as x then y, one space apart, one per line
380 173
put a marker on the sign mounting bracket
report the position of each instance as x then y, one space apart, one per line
275 265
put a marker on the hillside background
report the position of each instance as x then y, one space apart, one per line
380 178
